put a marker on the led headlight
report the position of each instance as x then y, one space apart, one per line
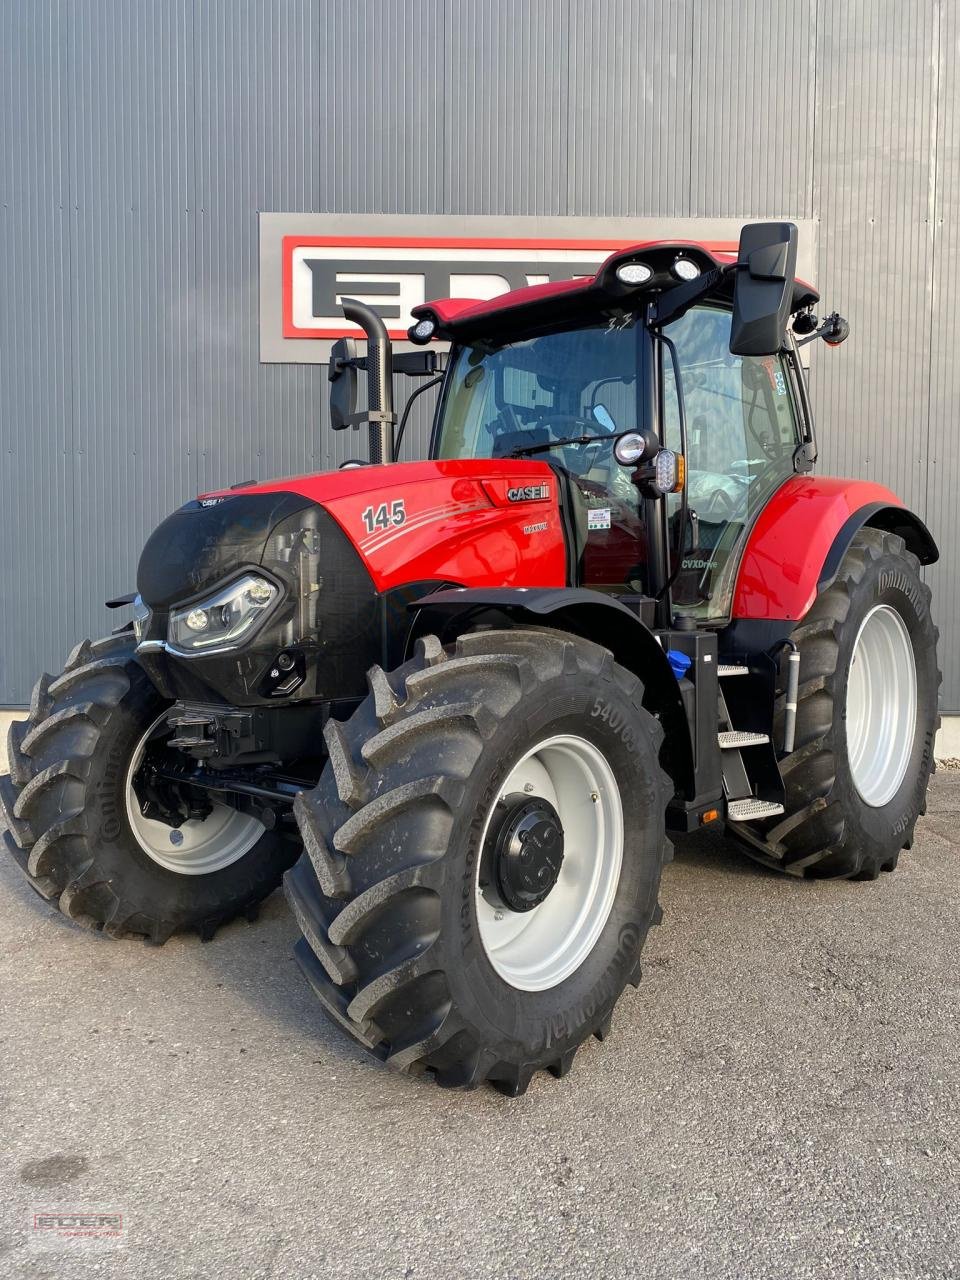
634 273
225 619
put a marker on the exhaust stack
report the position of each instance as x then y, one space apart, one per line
380 416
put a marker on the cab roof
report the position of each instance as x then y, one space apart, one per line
545 305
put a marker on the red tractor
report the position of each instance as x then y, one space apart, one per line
461 702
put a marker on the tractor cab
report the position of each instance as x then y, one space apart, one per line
669 350
570 394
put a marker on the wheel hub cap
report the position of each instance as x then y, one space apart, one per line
881 706
539 918
197 846
525 846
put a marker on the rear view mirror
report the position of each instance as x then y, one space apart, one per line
343 384
766 269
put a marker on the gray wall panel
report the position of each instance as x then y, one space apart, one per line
38 511
131 264
874 160
504 89
752 98
257 114
139 141
943 442
379 69
626 143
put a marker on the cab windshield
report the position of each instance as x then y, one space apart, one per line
577 382
582 383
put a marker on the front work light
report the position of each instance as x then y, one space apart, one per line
685 269
422 331
634 273
225 619
631 448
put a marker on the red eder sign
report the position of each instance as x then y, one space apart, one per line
310 262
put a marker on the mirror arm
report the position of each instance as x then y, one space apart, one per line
834 324
434 382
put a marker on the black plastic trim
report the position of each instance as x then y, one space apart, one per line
879 515
595 616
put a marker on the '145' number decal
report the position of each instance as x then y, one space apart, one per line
384 516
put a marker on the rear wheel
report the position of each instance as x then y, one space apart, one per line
866 717
77 808
483 856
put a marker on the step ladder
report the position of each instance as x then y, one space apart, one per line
750 809
739 781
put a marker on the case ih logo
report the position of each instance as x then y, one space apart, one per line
394 274
529 493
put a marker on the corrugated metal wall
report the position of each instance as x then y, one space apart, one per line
139 140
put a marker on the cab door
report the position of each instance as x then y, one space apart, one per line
742 437
538 397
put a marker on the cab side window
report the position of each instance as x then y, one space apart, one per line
741 438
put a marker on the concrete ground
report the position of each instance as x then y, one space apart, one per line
779 1099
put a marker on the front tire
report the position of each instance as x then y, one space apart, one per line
867 718
73 826
398 895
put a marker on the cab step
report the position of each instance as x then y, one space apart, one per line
750 809
734 739
732 669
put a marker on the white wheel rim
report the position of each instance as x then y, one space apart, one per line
197 847
535 950
881 706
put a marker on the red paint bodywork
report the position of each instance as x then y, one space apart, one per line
459 524
788 545
461 527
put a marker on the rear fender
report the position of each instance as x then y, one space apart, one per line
795 547
878 515
582 612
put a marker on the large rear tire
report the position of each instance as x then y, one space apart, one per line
74 827
866 718
415 942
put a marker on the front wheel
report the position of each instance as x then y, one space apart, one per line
866 718
95 835
483 856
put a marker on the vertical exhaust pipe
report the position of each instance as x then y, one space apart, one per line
380 415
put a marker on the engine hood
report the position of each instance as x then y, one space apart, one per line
474 522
